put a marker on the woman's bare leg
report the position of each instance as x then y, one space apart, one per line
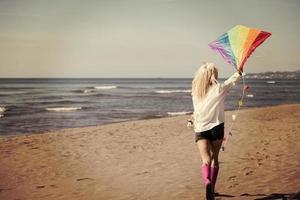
216 146
214 170
205 148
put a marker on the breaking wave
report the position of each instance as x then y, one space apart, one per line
2 110
172 91
105 87
63 109
179 113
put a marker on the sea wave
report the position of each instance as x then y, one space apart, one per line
271 82
60 102
151 116
6 93
172 91
63 109
128 87
105 87
2 110
95 88
172 88
179 113
87 91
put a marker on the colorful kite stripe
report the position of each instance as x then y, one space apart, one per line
238 43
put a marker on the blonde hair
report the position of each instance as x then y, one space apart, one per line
205 76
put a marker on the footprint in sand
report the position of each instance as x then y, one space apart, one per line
231 178
141 173
66 154
265 142
54 186
25 142
7 152
82 179
248 173
40 186
233 185
233 181
2 189
110 133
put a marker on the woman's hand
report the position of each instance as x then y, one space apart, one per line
240 72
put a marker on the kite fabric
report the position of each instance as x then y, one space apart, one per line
238 43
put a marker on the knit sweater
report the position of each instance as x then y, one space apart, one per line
209 110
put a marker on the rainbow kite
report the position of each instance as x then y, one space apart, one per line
238 43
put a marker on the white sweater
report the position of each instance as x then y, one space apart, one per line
209 111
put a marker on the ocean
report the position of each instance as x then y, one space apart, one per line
41 105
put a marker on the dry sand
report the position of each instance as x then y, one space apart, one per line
154 159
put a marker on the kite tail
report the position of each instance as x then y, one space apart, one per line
236 113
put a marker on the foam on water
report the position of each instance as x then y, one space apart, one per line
64 109
2 110
179 113
87 91
172 91
105 87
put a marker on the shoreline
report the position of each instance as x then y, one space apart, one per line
154 159
132 120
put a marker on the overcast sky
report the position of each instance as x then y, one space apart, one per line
139 38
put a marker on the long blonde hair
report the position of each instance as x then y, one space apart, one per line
205 76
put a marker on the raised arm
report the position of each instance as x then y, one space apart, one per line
231 81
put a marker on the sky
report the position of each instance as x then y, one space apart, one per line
139 38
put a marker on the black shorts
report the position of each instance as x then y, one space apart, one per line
216 133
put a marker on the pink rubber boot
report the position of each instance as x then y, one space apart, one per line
208 185
214 170
206 173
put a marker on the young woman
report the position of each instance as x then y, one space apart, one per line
208 100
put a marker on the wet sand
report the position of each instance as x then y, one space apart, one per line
154 159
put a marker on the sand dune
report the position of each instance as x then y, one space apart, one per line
154 159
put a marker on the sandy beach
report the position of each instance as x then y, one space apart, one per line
154 159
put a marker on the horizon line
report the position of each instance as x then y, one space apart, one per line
96 77
288 71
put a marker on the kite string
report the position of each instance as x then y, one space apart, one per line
236 113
